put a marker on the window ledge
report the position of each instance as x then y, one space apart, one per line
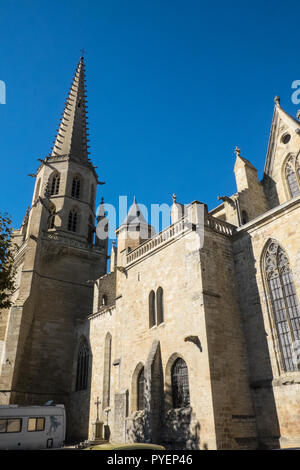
287 378
157 326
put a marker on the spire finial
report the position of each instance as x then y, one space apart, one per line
134 200
82 54
277 100
102 200
237 151
174 197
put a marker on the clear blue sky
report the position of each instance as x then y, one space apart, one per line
173 87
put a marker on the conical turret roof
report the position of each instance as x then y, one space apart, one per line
135 216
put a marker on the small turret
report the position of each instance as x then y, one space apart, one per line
101 239
134 230
250 199
245 172
113 257
177 210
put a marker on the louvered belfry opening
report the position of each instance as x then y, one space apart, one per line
54 184
76 186
73 221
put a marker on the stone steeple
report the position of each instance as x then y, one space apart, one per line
72 137
58 259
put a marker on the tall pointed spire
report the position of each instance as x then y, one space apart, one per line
72 134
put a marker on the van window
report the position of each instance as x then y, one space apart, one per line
36 424
10 425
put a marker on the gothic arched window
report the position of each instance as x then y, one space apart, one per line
51 218
284 302
73 221
76 184
54 184
152 316
141 390
292 172
82 366
180 384
160 305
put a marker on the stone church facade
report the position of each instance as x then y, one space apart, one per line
192 338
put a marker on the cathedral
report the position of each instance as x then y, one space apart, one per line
191 339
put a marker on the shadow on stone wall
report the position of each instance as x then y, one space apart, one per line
261 375
270 190
159 423
180 429
137 427
78 409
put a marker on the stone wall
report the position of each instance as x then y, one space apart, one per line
275 392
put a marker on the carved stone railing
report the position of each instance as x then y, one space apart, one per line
220 226
174 231
177 230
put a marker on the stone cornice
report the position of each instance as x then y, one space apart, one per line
100 313
68 158
60 239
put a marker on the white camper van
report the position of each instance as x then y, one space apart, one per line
32 427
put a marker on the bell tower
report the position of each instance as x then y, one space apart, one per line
56 259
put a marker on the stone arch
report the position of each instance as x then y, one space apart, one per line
168 379
82 340
152 312
159 306
54 183
290 173
134 386
180 384
282 302
73 219
77 186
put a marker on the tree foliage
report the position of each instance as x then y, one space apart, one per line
6 261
